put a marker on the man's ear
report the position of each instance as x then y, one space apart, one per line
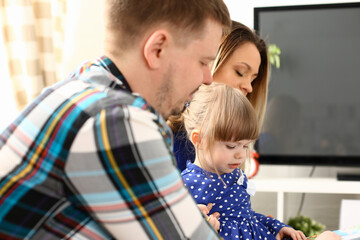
194 137
154 48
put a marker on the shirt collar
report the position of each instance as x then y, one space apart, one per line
120 81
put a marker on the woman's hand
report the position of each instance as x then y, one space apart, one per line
328 235
213 218
290 232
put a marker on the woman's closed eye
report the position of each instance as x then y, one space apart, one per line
239 73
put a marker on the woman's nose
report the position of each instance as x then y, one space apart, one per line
246 87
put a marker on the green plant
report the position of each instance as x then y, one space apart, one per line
274 55
307 225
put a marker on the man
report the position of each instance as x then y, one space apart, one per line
91 157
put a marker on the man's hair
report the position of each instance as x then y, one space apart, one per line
131 18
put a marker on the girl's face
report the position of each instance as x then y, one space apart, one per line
226 156
241 69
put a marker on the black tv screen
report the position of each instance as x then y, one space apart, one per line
313 111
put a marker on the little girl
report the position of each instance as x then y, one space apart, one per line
222 124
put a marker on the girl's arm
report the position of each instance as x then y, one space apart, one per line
272 224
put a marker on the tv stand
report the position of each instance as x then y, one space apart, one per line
348 177
303 185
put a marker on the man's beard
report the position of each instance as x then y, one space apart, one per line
178 110
165 94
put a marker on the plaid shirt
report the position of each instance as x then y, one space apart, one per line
88 159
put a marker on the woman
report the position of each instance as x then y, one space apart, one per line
242 63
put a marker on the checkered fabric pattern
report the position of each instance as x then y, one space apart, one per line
90 160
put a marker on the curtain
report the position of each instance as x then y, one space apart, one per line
33 36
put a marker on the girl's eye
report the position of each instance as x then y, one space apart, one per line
246 146
230 147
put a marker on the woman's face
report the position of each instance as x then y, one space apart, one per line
241 68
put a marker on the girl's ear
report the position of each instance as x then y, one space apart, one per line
194 137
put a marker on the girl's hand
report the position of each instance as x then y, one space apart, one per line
213 218
290 232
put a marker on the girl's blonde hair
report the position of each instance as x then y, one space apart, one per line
220 113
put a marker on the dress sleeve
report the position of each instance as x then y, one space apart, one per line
121 170
272 224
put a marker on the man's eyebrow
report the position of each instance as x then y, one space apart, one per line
211 58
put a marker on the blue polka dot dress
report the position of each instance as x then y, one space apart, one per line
237 219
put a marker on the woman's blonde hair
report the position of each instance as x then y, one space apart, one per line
220 113
239 35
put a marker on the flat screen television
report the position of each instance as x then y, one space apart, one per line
313 110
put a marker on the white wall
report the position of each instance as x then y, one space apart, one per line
243 10
84 33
